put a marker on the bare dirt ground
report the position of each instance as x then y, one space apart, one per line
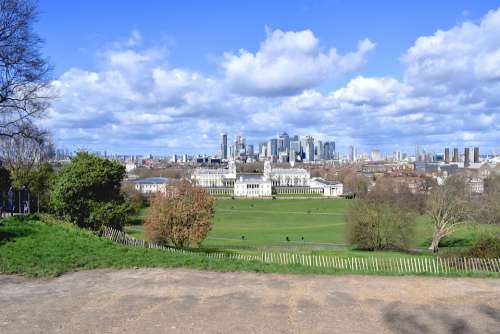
189 301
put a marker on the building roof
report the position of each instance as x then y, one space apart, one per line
297 171
215 171
153 180
326 182
251 179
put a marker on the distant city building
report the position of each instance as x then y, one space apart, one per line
447 155
466 157
151 185
455 155
319 150
283 142
329 150
352 153
223 146
476 155
272 148
309 148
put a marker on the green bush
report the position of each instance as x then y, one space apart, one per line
485 247
87 192
375 226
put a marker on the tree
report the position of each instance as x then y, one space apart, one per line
87 192
182 215
135 199
382 219
448 208
22 154
353 182
488 206
4 185
23 71
39 182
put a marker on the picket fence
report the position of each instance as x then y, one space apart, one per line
401 265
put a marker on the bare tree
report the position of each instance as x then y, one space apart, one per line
23 71
488 205
448 208
21 154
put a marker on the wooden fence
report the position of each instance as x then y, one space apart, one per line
401 265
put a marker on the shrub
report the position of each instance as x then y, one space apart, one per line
87 192
372 225
182 215
485 247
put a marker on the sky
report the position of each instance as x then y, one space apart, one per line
170 76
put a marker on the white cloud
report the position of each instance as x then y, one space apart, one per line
288 63
137 102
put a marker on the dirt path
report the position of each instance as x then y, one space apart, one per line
188 301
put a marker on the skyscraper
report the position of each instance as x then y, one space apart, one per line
283 142
329 150
352 153
309 148
223 146
294 148
466 157
476 155
455 154
447 155
272 148
319 150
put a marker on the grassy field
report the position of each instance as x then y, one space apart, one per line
319 222
37 248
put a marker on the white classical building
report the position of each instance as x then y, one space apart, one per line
328 188
253 186
279 181
215 178
151 185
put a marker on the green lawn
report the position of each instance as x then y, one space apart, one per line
36 249
318 221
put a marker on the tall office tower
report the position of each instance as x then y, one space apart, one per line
250 151
309 148
352 153
294 149
283 142
223 146
417 152
447 155
397 156
326 151
262 150
455 154
467 157
476 155
319 150
272 148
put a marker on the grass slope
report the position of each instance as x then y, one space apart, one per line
37 249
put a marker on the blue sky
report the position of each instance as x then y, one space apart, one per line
169 76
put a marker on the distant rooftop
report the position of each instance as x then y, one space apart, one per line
288 171
153 180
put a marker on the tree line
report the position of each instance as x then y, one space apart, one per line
385 217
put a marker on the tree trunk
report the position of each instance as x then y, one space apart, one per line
434 247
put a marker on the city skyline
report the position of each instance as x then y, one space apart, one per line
148 83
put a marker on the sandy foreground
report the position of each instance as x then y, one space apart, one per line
190 301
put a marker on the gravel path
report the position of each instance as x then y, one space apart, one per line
189 301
